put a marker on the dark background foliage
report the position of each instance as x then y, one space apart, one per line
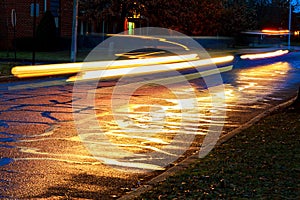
195 17
46 33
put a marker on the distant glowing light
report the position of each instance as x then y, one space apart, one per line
264 55
268 32
131 26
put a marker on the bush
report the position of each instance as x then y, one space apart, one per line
64 43
24 44
46 33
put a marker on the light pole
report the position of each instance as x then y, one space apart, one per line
14 23
74 31
34 32
290 24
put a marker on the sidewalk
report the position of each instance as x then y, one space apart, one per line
261 162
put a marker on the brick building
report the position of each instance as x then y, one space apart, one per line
24 9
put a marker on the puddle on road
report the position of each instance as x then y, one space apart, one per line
5 161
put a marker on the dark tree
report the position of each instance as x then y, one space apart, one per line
237 17
192 17
46 33
109 11
275 13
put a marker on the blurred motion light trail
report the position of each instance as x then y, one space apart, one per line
264 55
148 69
72 68
160 39
275 32
109 69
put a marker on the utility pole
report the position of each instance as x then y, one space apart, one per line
74 31
14 23
290 24
34 32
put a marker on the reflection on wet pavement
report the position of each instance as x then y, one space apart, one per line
43 156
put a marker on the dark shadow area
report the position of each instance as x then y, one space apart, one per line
89 187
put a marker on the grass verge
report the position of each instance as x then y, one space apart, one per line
262 162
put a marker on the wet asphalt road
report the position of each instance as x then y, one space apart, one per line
50 142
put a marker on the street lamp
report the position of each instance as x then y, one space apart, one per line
34 32
290 19
74 31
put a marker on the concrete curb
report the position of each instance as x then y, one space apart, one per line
187 161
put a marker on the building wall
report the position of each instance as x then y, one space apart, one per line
3 25
66 18
24 25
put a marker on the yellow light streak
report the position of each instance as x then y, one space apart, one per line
275 32
223 59
175 79
153 38
174 43
72 68
264 55
135 55
111 73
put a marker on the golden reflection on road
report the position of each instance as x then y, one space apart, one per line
156 119
154 116
256 83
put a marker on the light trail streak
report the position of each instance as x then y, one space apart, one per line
160 39
275 32
111 73
269 32
192 76
72 68
190 62
110 69
138 55
264 55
